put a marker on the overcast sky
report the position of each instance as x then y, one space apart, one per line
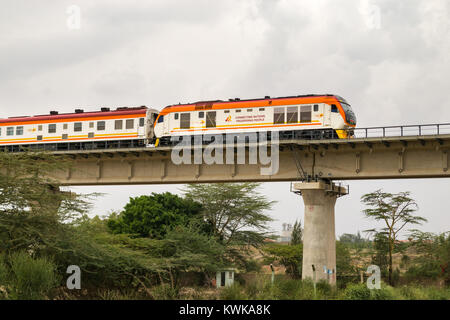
389 59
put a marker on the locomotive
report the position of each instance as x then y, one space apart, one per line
294 117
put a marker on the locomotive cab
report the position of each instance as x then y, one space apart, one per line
349 115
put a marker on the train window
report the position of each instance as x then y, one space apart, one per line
262 109
19 131
40 127
201 114
129 124
185 121
101 125
118 125
238 110
141 122
249 110
77 126
305 114
161 119
316 107
334 108
65 136
90 135
52 128
91 125
292 115
176 116
39 138
10 131
65 126
278 115
226 111
211 119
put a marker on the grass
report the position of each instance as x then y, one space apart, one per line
290 289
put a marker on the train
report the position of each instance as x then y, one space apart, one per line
313 116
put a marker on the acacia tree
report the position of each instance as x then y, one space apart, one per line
396 210
32 207
433 260
235 213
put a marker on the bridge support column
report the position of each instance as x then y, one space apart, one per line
319 237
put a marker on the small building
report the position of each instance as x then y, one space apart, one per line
225 277
286 233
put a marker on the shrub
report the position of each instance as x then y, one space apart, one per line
31 278
433 293
413 293
385 293
324 290
306 290
357 292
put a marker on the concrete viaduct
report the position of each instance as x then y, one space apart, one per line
312 164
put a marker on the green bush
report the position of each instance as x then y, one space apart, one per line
324 290
385 293
357 292
31 278
424 293
433 293
413 293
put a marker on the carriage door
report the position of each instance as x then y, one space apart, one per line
211 119
326 114
141 127
185 121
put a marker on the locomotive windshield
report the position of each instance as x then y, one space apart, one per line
349 114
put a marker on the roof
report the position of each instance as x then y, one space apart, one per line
80 115
237 103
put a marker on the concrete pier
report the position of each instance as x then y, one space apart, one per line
319 237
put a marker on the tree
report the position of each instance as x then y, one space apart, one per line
297 233
381 251
433 259
396 210
288 256
344 266
33 210
153 216
235 212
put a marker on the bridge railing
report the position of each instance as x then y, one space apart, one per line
401 131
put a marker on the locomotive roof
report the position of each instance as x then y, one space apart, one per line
237 101
81 114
